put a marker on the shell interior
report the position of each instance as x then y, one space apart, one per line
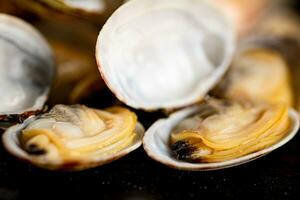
26 67
164 54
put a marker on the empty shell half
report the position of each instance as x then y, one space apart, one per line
75 137
164 54
220 134
26 68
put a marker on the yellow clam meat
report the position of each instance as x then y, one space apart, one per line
280 31
77 137
257 74
224 130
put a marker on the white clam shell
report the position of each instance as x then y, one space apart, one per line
11 142
26 67
164 54
156 143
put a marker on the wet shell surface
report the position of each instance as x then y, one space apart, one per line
75 137
26 68
164 54
220 134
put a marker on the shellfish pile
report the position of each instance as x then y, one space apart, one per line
226 84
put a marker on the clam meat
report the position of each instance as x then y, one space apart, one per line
281 32
224 130
75 137
257 74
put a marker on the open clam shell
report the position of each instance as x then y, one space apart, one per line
164 54
93 146
26 68
157 143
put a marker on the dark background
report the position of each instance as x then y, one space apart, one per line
137 177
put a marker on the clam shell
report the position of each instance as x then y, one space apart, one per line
96 11
164 54
156 143
11 142
89 6
26 68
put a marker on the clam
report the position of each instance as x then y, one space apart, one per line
257 73
75 137
170 54
164 54
26 69
92 10
90 6
280 31
220 134
253 120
